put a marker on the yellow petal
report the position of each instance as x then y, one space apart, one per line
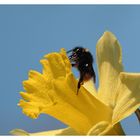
109 63
90 86
128 96
57 97
59 132
105 128
19 132
101 128
96 130
56 64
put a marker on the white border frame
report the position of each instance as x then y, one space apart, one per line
69 137
69 1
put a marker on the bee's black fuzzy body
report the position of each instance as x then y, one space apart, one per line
82 59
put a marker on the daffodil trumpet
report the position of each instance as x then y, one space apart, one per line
92 112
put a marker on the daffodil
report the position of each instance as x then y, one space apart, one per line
91 112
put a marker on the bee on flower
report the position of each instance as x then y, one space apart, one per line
82 59
93 111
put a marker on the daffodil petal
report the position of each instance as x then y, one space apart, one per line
90 86
19 132
57 97
128 96
56 65
46 69
105 128
59 132
96 130
66 61
99 128
109 62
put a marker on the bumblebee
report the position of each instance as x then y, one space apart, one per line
82 59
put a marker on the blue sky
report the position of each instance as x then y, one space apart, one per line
27 33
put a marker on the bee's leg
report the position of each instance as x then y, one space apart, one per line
93 74
80 82
137 112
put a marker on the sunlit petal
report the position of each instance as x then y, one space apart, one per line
101 128
128 96
59 132
105 128
89 85
109 62
19 132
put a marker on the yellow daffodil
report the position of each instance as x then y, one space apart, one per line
91 112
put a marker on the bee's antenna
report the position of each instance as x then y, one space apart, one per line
69 51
